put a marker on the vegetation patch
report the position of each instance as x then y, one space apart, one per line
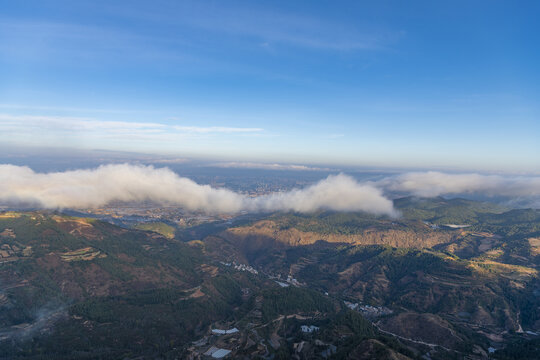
514 272
158 227
84 254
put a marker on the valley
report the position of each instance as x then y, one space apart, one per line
276 286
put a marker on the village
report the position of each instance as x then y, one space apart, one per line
368 311
251 337
222 341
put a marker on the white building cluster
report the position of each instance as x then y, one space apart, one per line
243 267
224 332
368 310
309 328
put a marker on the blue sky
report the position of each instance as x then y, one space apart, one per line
422 84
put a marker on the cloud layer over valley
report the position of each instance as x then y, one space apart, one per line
90 188
433 183
97 187
514 191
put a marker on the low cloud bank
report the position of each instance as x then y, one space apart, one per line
20 186
432 183
98 187
336 192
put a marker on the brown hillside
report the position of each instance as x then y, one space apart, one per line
268 229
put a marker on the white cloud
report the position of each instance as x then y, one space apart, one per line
267 166
433 183
216 129
299 30
336 192
100 186
131 183
54 126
